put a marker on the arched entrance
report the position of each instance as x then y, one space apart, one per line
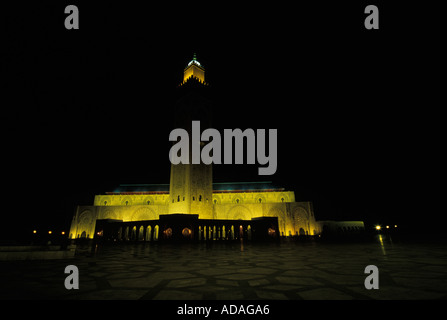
133 235
156 233
148 233
141 233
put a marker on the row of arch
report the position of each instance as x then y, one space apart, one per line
128 202
147 233
223 232
204 232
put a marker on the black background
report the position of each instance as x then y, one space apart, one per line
356 110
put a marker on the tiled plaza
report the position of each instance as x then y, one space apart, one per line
235 271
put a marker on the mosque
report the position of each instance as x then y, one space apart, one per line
191 206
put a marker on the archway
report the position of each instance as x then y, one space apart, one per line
141 233
239 212
126 233
144 213
133 235
156 233
148 233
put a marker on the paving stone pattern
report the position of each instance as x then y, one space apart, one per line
235 271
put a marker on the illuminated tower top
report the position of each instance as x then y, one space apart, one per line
194 70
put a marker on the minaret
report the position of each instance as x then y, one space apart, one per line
191 185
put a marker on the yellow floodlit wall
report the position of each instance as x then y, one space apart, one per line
194 71
294 218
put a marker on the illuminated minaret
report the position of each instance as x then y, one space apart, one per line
195 70
191 185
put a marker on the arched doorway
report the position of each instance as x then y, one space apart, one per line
133 235
141 233
148 233
156 233
126 233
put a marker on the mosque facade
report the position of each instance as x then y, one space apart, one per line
192 206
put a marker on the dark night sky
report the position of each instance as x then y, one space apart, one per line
92 108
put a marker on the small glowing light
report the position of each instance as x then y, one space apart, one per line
34 231
63 232
50 232
387 227
378 227
395 226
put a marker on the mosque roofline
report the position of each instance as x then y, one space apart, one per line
218 187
